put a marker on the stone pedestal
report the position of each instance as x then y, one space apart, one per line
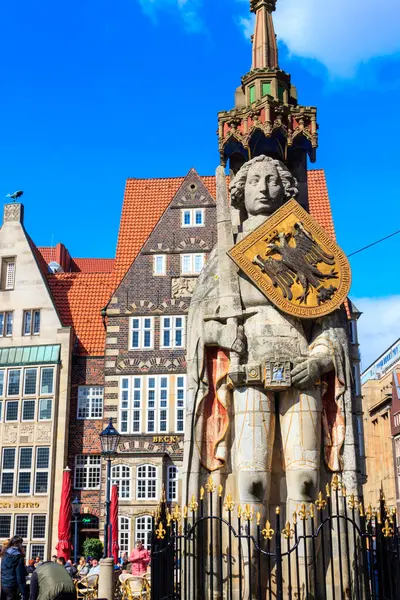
106 578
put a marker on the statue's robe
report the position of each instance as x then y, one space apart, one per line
208 412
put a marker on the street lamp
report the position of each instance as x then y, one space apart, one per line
109 439
76 512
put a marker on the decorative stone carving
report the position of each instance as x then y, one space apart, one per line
13 212
26 434
43 433
183 287
10 434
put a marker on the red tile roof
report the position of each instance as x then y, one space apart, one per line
92 265
145 201
79 298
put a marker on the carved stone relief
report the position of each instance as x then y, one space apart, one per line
10 434
26 434
183 287
12 212
43 434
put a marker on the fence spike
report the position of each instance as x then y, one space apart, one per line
239 511
160 531
248 513
312 512
361 509
352 502
369 513
277 510
210 487
295 518
335 482
201 493
268 532
303 514
229 505
288 532
328 490
320 503
258 518
185 512
220 491
387 530
193 505
344 491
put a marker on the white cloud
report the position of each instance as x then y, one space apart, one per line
247 26
187 9
378 327
341 34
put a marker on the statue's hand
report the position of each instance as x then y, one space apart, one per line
232 337
307 371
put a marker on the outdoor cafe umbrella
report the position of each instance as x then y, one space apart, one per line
64 545
114 523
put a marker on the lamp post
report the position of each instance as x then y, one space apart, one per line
109 439
76 512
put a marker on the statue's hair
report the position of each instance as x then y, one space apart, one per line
238 183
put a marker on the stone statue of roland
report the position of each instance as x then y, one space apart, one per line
231 425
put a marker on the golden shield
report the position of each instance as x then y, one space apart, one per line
295 264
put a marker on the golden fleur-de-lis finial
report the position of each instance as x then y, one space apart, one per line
169 519
267 532
352 502
201 493
229 505
335 482
220 491
210 487
277 510
160 531
287 532
344 491
387 530
303 514
193 505
295 518
239 511
312 512
185 512
328 490
258 517
320 503
176 515
248 513
361 509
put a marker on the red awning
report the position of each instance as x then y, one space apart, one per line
114 523
64 545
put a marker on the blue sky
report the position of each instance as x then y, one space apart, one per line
95 92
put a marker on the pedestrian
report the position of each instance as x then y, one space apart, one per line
31 566
52 582
140 559
13 572
83 568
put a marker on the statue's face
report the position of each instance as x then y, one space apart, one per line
263 193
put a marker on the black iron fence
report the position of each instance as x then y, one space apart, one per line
333 549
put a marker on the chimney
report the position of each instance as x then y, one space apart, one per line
13 213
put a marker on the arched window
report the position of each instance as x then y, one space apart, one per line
172 483
121 476
124 534
143 531
146 486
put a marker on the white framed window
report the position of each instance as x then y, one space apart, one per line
8 273
37 550
30 382
192 264
121 476
146 482
12 409
8 471
159 264
192 217
172 483
28 410
5 527
21 526
124 534
6 324
87 472
143 527
180 395
38 527
25 472
157 404
31 322
2 380
90 402
14 381
131 405
42 470
45 409
47 381
142 333
173 332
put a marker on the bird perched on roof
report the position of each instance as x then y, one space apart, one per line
15 195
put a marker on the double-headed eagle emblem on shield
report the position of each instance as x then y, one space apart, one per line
294 262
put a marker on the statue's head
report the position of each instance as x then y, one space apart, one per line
262 185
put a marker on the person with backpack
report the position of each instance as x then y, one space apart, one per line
51 581
13 571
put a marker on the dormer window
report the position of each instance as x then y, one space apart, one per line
7 273
193 217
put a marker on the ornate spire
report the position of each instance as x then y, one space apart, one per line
265 49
